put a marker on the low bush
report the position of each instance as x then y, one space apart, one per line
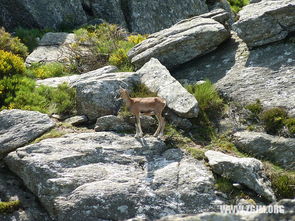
282 181
60 100
255 109
237 5
108 43
211 108
9 207
290 124
42 71
12 44
10 64
30 36
273 119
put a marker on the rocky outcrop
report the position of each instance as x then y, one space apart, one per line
41 13
265 74
282 210
93 176
173 46
279 150
53 47
265 22
11 189
247 171
72 79
96 95
19 127
158 79
126 124
154 15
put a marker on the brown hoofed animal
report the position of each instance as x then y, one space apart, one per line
147 106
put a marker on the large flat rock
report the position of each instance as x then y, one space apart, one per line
19 127
266 21
266 73
247 171
279 150
106 176
180 43
96 95
157 78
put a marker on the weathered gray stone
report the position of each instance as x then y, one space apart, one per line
152 16
41 13
19 127
109 10
279 150
112 123
158 79
53 47
72 79
282 210
247 171
173 46
12 188
93 176
96 95
76 120
265 22
266 74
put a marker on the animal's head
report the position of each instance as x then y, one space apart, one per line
122 93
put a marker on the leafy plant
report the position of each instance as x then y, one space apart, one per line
273 119
10 64
12 44
108 44
255 109
237 5
43 71
290 124
282 181
9 207
30 36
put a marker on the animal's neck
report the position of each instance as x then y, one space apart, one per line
127 100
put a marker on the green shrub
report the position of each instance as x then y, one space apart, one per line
290 124
208 98
12 44
60 100
282 181
30 36
273 119
140 90
211 107
9 207
10 64
109 45
47 70
237 5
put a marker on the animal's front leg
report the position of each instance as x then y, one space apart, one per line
139 132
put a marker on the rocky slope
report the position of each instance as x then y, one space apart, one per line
113 176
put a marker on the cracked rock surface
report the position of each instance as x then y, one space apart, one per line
265 22
92 176
19 127
247 171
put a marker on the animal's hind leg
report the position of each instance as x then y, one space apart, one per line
162 128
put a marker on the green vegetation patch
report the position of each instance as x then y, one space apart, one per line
9 207
30 37
211 108
273 119
282 181
237 5
109 44
43 71
12 44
